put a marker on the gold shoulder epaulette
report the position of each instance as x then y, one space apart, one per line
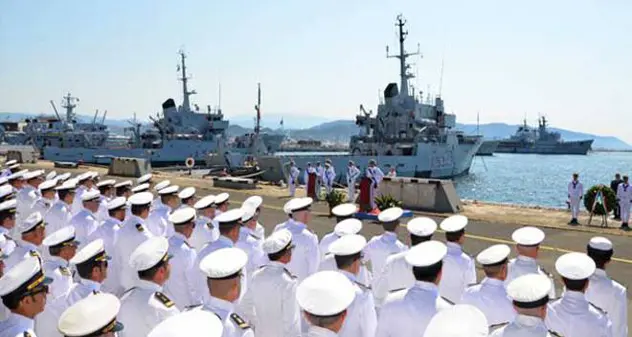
140 227
162 298
239 321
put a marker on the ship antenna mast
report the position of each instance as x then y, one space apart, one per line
258 110
186 103
402 56
441 77
69 103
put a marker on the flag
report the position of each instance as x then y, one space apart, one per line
281 122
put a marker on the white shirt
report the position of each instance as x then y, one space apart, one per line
329 263
610 296
58 216
329 175
396 274
306 255
25 199
572 315
103 213
523 326
60 271
46 321
108 232
132 233
16 325
381 247
42 205
201 288
575 189
205 231
181 285
143 307
458 273
22 250
251 245
85 224
294 175
325 241
624 192
361 320
77 203
316 331
523 265
158 221
407 312
352 174
375 174
81 290
490 297
270 302
226 312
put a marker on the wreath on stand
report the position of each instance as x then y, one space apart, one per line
607 196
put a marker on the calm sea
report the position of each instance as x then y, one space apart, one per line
538 179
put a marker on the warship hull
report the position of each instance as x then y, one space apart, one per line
558 148
488 148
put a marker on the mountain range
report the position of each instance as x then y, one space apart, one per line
318 128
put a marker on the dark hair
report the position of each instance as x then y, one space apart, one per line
428 274
323 321
416 239
5 215
278 255
601 257
11 301
390 226
227 227
149 274
55 250
63 193
85 269
111 212
574 285
138 209
186 200
454 236
121 190
344 261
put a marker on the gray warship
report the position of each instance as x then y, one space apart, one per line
542 141
418 138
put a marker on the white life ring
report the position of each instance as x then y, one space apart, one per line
190 162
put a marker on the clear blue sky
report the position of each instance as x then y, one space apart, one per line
570 60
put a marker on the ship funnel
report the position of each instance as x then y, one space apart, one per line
391 91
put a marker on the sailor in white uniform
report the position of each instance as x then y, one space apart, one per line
256 202
624 196
32 232
575 195
159 186
93 316
4 312
6 192
361 316
29 193
205 230
60 213
605 292
16 180
91 263
380 247
47 198
23 290
471 322
490 295
124 189
306 255
6 169
181 285
530 295
353 173
187 197
248 240
7 223
146 305
572 314
144 179
376 175
459 270
140 188
189 323
329 177
407 312
270 302
341 212
158 221
106 188
84 183
85 221
528 241
292 178
396 273
222 270
325 298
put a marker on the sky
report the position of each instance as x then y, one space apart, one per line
506 60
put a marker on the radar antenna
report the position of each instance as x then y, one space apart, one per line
404 74
186 103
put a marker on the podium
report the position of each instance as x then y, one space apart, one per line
310 186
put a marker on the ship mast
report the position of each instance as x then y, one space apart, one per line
402 56
258 109
186 103
69 103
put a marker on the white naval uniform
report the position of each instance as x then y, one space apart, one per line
379 248
230 319
108 232
17 325
329 263
352 175
60 271
10 244
575 193
572 315
25 199
407 312
458 273
85 223
624 194
319 179
270 302
490 297
610 296
396 274
158 221
131 234
376 175
77 203
316 331
42 205
306 255
82 289
251 245
58 216
523 326
142 308
325 241
200 285
22 250
361 320
293 179
205 231
46 321
523 265
181 286
329 176
103 213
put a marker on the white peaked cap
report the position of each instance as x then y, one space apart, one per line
189 323
118 202
9 204
90 195
426 253
531 290
186 192
182 216
5 190
140 188
47 185
493 255
95 313
421 226
221 198
144 178
348 226
223 262
344 210
453 223
69 184
142 198
205 202
277 241
23 273
390 214
461 320
575 266
64 234
528 236
325 293
33 174
297 204
230 216
107 182
91 250
348 245
600 243
63 176
123 183
254 201
173 189
51 175
159 186
249 212
149 253
31 221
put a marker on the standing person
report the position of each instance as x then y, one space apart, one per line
472 323
382 246
7 223
93 316
255 202
605 292
614 185
158 220
28 194
85 221
329 176
181 285
292 178
624 196
91 263
106 188
189 323
575 195
459 270
248 240
391 172
32 232
84 184
572 314
352 176
375 174
320 172
311 182
187 197
205 230
60 212
46 199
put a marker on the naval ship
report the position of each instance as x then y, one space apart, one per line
417 138
541 141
